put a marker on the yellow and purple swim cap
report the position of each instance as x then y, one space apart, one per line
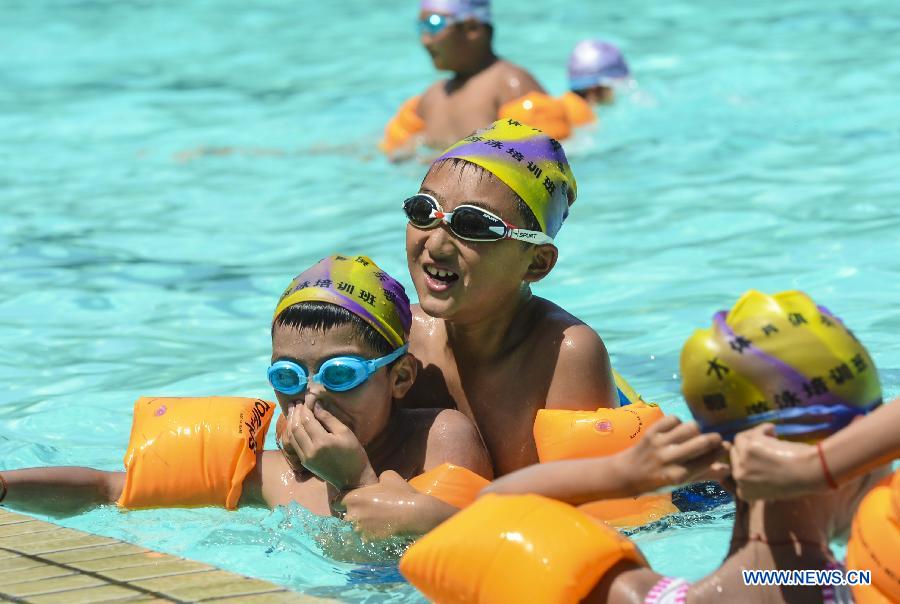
781 359
356 284
529 162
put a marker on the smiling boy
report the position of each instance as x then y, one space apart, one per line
480 233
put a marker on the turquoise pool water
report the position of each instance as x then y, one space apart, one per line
761 151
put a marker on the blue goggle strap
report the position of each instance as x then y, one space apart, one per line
377 364
796 421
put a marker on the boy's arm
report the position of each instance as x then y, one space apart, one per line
582 379
671 453
768 468
453 438
394 507
60 490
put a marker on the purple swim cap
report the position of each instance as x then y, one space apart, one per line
480 10
596 63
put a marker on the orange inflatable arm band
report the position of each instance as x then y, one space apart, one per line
561 434
521 548
451 484
539 110
402 127
189 452
578 110
875 543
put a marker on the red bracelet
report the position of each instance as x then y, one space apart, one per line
829 479
5 488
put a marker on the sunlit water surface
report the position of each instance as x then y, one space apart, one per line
167 168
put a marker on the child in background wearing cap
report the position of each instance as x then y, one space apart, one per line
458 36
781 359
343 419
596 70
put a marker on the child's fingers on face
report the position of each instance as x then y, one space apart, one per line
290 442
300 436
311 425
333 424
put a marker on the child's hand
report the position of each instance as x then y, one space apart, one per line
392 507
673 453
292 456
327 448
767 468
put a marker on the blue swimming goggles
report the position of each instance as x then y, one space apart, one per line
434 24
337 374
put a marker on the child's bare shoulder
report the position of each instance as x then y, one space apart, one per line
450 437
513 81
582 369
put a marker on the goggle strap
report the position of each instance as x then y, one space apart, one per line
387 360
536 237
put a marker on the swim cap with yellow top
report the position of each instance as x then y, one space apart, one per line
529 162
356 284
780 359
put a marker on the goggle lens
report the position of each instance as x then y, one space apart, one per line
433 24
418 209
285 378
342 376
471 223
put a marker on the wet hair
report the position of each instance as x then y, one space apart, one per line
322 316
464 168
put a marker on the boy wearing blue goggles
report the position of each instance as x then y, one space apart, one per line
339 366
338 374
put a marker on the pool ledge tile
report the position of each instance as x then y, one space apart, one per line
43 563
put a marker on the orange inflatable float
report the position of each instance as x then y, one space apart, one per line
190 452
451 484
875 543
560 434
515 548
578 110
539 110
403 127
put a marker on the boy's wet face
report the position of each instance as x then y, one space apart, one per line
445 45
365 409
459 279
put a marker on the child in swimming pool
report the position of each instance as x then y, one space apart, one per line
775 358
596 70
342 414
480 233
458 36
